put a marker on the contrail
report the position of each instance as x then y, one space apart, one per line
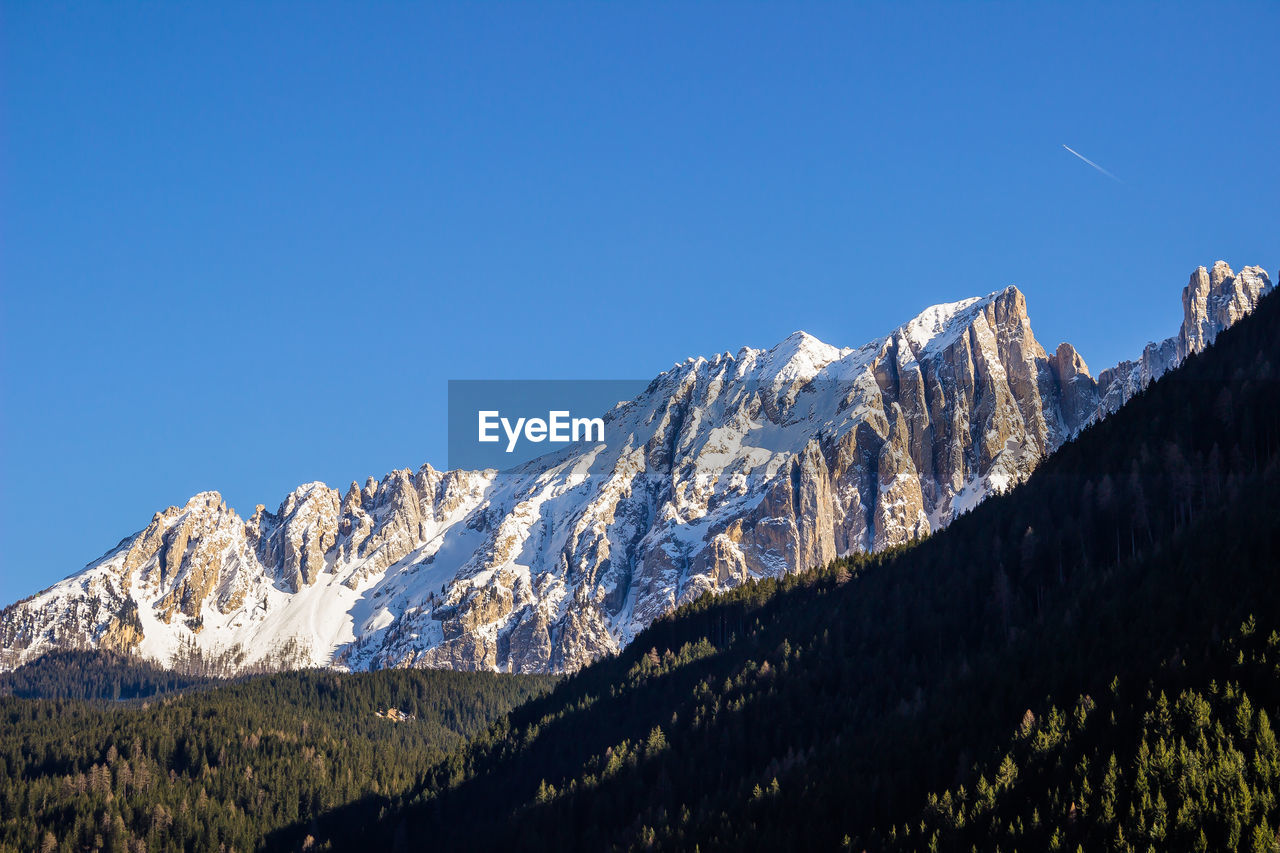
1093 164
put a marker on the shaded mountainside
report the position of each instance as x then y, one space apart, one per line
1185 761
733 469
822 708
218 768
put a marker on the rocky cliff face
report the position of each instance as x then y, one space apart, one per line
740 466
1211 301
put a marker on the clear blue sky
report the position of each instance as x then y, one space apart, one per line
245 246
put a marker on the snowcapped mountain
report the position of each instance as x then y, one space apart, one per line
743 465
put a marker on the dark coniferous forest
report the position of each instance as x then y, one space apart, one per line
1091 661
217 765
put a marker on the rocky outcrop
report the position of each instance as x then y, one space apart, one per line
740 466
1211 302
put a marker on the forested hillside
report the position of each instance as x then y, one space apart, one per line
1182 761
823 709
220 767
97 675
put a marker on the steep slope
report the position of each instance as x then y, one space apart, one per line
804 712
739 467
1187 761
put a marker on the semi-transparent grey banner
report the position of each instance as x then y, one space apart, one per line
501 423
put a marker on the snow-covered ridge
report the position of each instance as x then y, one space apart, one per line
738 466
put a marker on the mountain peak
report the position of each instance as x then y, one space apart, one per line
801 343
937 324
203 501
1214 299
799 356
799 338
